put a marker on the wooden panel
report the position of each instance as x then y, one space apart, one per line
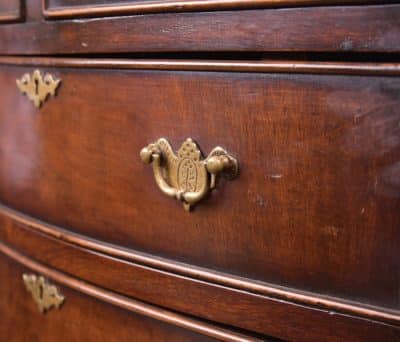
315 206
222 304
81 318
356 29
86 8
10 10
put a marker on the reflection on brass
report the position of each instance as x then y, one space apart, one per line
44 294
185 175
38 88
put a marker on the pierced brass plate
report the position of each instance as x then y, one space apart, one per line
185 175
44 294
38 88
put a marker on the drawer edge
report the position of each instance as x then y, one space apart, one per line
194 272
263 66
126 303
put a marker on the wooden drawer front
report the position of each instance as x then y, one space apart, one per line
315 206
10 10
80 318
357 29
202 301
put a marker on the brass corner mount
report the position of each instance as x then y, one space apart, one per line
185 175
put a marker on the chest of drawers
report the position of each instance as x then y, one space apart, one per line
270 210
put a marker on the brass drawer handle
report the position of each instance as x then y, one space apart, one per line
38 88
43 293
185 175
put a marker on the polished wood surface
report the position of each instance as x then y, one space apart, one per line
316 182
262 66
356 29
302 246
81 318
263 314
12 218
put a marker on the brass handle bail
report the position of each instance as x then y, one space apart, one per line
185 175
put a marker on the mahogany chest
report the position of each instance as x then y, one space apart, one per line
199 170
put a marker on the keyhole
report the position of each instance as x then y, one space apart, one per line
36 87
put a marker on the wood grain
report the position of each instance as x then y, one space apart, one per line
304 245
314 208
12 222
351 29
87 314
264 315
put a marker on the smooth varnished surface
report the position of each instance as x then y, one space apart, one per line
314 207
302 95
82 318
368 29
264 314
249 66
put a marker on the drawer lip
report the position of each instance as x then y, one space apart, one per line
263 66
194 272
157 6
130 304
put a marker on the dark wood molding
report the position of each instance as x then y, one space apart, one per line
137 7
125 302
329 303
9 17
300 67
12 14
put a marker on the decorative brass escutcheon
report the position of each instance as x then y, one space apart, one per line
38 88
185 175
44 294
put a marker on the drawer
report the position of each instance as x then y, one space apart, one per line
314 207
79 318
29 241
203 26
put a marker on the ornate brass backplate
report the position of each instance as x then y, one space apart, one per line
44 294
38 88
185 175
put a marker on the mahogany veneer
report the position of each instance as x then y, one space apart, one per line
367 29
88 318
303 245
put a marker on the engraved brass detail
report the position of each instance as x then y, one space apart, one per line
38 88
185 175
44 294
